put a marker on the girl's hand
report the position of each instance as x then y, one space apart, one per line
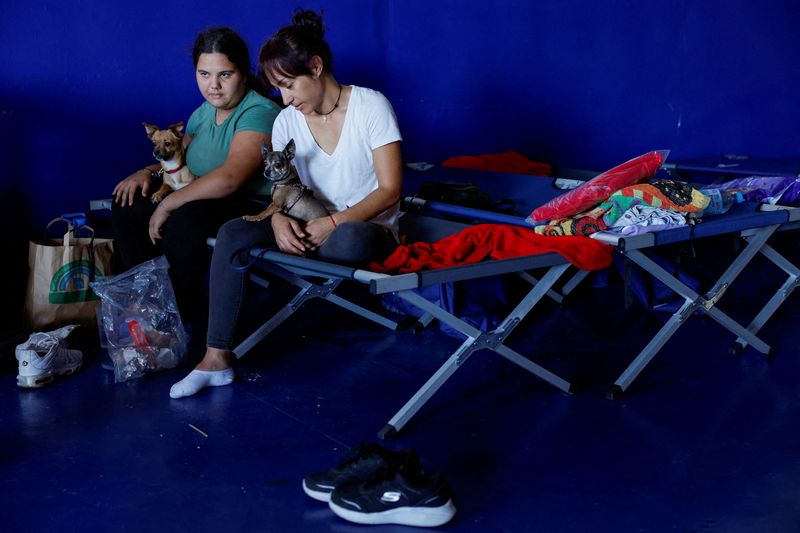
289 235
318 230
160 215
125 189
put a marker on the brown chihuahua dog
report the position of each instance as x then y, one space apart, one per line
168 150
289 196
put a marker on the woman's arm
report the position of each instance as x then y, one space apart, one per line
244 158
388 162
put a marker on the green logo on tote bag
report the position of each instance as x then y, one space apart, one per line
70 283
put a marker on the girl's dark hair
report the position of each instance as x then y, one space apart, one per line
289 51
223 40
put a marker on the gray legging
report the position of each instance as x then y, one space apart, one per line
351 243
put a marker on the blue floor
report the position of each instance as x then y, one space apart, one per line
703 441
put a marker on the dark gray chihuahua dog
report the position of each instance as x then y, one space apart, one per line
289 196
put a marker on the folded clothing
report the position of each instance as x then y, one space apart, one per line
665 194
580 225
669 195
638 217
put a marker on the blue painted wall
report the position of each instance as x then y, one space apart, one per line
579 83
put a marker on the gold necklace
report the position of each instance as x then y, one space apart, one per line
335 105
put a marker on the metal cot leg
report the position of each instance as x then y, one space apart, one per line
694 302
475 340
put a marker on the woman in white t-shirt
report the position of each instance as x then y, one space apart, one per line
347 151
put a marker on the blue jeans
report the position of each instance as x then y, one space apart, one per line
351 243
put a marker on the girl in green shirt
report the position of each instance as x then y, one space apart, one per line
223 140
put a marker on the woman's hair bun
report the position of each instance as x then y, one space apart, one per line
309 21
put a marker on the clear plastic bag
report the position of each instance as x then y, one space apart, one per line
140 320
782 190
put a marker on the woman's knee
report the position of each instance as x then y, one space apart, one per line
233 233
353 243
349 233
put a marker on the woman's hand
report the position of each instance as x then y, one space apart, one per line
160 215
125 189
318 231
289 235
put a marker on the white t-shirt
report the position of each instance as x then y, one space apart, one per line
345 177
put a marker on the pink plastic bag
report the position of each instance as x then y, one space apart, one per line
597 189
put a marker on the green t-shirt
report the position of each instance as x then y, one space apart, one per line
210 143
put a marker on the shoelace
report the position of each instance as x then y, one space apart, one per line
356 454
385 474
44 343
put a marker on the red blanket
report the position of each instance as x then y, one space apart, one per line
495 241
510 161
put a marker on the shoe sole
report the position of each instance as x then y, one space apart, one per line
34 382
407 516
316 494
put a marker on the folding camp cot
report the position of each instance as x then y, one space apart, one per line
747 221
732 166
755 227
783 292
318 279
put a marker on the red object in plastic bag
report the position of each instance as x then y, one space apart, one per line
140 341
510 162
597 189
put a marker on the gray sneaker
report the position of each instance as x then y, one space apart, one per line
43 357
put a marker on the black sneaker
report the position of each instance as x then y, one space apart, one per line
402 494
358 466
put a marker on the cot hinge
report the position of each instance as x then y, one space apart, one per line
792 286
689 310
710 302
489 340
314 291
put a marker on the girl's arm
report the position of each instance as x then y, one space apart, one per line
140 180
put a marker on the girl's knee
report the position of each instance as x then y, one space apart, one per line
139 211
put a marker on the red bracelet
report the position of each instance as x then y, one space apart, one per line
332 220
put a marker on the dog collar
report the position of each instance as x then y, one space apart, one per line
174 170
297 186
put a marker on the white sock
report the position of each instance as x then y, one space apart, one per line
200 379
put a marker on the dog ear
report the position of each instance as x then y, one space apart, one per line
265 149
289 150
150 129
177 128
